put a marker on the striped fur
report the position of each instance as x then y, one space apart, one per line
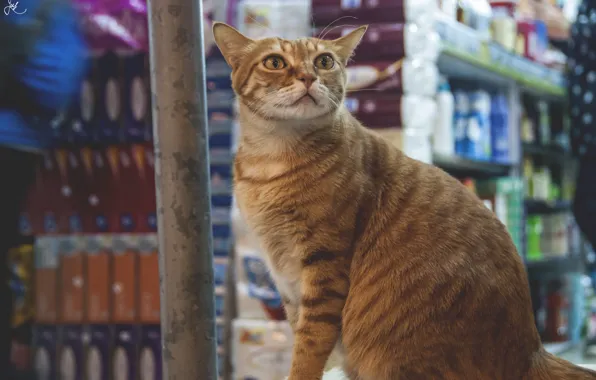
389 259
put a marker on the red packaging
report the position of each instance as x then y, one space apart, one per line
127 183
31 220
144 186
50 199
527 40
381 41
113 189
373 11
78 187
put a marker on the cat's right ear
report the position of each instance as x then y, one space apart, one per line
232 44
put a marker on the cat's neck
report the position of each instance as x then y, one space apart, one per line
280 138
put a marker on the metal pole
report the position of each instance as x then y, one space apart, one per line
183 189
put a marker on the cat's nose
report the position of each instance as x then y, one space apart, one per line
307 79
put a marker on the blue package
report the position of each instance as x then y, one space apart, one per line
477 143
460 120
499 121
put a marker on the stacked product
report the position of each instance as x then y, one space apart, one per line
92 208
480 125
393 79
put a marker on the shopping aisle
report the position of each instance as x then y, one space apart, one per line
474 89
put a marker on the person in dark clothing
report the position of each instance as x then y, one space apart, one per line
42 63
582 109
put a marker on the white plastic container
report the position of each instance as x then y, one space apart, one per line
288 19
443 136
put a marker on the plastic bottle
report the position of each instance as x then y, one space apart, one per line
460 121
478 134
499 124
443 139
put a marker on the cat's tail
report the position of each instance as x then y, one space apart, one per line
550 367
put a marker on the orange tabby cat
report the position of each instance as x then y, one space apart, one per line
391 258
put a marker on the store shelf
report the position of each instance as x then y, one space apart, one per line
551 153
467 56
546 207
561 348
555 266
458 166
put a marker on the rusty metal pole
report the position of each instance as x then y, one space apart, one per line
183 189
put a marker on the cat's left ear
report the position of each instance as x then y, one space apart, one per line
345 46
232 44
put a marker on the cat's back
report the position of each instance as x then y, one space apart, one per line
432 267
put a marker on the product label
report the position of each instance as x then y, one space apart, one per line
261 285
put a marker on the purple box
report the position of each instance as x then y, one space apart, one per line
71 352
150 355
125 352
135 92
46 348
97 362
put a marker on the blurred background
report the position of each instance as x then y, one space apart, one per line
497 93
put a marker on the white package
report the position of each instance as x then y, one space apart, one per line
261 350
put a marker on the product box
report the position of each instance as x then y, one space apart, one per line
97 362
222 238
109 103
51 201
262 350
125 285
31 218
135 92
99 191
125 352
82 111
45 352
149 310
421 12
72 353
46 279
98 271
142 187
150 365
114 190
73 281
407 76
382 110
75 191
390 41
220 302
65 194
507 198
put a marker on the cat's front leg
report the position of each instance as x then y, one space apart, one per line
324 288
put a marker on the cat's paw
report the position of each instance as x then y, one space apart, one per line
334 374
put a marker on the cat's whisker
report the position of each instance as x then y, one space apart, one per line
261 25
333 22
335 27
365 89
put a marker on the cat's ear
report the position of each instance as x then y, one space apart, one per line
232 44
345 46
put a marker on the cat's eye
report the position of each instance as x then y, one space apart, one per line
324 62
274 62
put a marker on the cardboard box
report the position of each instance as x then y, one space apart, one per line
73 281
125 285
262 350
150 365
125 352
45 352
46 279
72 353
149 279
97 362
99 278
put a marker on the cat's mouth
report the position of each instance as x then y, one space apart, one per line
306 98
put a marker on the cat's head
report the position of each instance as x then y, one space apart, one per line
288 79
